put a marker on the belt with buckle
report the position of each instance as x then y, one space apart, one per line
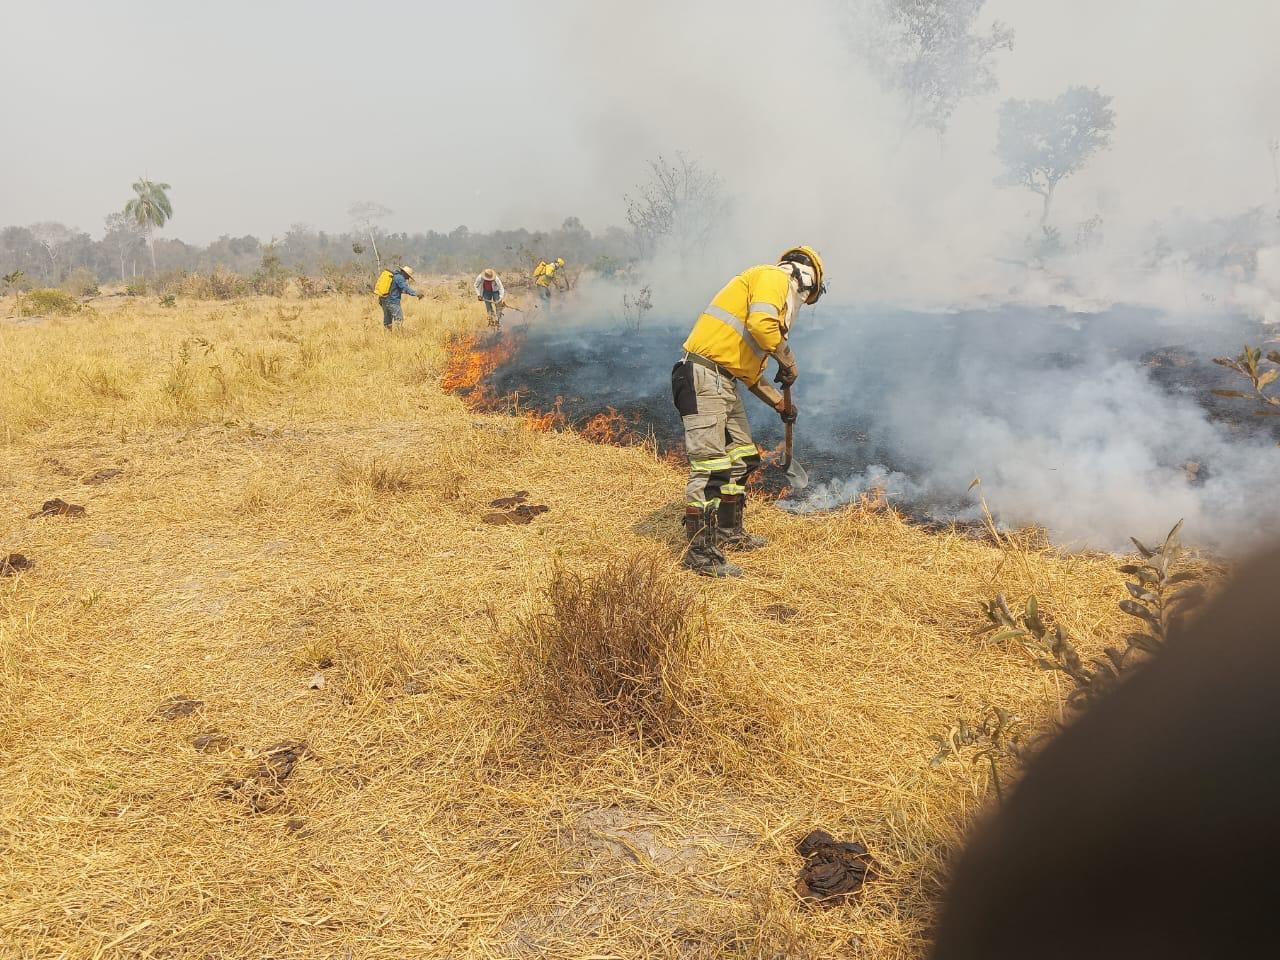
709 364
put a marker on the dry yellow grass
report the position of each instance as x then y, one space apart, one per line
295 489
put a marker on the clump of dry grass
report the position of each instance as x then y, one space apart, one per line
611 650
382 475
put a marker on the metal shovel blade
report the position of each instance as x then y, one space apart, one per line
797 475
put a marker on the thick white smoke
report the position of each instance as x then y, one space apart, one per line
1053 411
1087 425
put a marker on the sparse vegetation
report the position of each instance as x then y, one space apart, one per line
47 303
1159 593
678 206
1261 372
635 307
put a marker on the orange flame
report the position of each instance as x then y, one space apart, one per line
553 419
612 427
469 362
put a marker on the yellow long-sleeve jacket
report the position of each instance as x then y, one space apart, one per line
745 322
544 275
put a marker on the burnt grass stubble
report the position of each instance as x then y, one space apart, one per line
585 371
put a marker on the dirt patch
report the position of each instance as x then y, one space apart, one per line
101 476
834 871
263 788
514 509
521 514
14 563
171 708
212 741
503 503
57 507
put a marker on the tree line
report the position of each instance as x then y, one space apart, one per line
50 254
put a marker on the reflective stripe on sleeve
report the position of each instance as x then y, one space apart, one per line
768 309
740 328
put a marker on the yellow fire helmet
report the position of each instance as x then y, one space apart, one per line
559 261
809 257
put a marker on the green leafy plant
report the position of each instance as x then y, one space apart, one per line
168 300
997 736
50 302
1251 365
136 287
1153 599
13 280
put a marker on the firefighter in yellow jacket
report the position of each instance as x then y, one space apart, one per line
545 279
745 325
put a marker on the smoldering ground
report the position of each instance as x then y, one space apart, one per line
1094 426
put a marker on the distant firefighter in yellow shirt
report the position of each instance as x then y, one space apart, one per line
546 279
746 323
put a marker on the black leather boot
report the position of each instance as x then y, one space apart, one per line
731 533
702 555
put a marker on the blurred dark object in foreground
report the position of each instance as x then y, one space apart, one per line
1149 827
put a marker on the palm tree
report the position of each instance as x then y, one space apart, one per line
150 209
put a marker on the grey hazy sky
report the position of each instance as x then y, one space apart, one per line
262 114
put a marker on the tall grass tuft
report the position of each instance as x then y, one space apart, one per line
612 651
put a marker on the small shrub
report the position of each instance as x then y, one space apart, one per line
270 279
47 302
635 308
168 300
611 651
16 282
81 282
136 287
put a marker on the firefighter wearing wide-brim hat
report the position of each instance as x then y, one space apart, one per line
744 325
488 288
